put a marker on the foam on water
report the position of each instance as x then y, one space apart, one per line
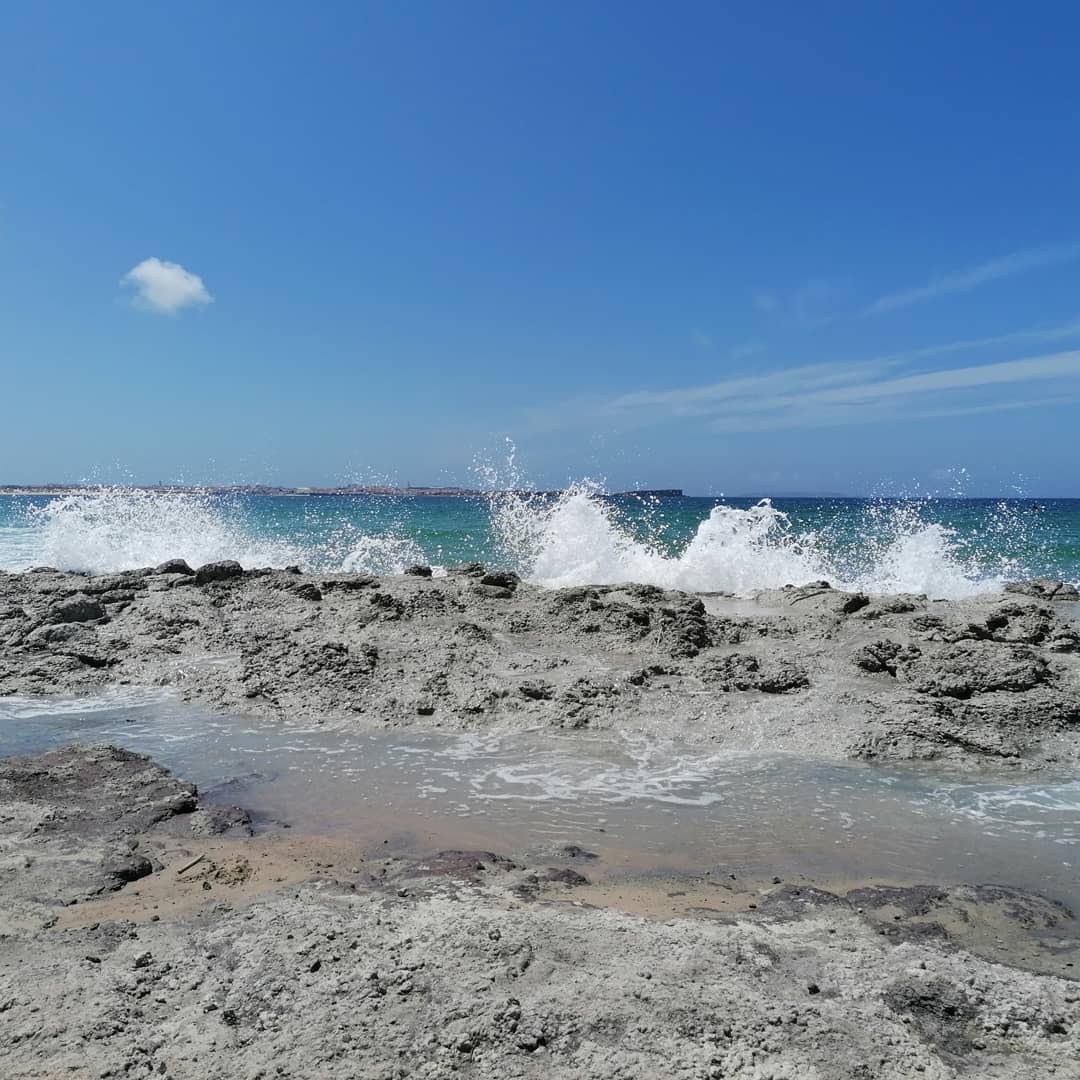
389 553
112 528
577 539
122 529
115 699
644 801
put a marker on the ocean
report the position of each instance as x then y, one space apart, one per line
945 548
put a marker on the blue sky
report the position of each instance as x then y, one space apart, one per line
735 248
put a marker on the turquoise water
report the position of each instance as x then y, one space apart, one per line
945 547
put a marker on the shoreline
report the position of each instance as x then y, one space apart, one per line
149 931
809 668
317 492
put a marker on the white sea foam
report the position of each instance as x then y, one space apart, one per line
577 538
389 553
115 699
115 529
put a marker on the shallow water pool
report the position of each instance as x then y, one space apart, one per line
644 805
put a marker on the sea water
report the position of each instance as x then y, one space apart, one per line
945 548
645 806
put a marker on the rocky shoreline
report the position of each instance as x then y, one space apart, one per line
146 935
806 668
145 932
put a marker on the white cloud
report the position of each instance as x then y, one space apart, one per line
166 286
1019 262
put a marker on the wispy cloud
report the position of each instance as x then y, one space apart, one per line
832 395
895 386
960 281
166 287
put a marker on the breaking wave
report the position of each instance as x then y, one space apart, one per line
113 529
578 538
123 529
575 538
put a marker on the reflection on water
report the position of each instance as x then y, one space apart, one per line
644 805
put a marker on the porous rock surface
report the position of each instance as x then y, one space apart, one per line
72 822
802 668
461 973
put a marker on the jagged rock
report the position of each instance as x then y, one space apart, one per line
885 656
1044 589
741 671
977 667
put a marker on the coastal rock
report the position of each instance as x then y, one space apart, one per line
218 571
1044 589
807 669
467 962
501 579
89 807
976 667
740 671
76 609
173 566
885 657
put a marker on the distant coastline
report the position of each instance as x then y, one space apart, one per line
267 489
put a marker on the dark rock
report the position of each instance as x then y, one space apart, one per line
911 900
741 671
564 876
575 851
795 901
494 592
977 667
218 571
502 579
537 690
125 868
684 627
939 1010
1044 589
884 656
469 569
418 571
307 591
76 609
58 633
173 566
